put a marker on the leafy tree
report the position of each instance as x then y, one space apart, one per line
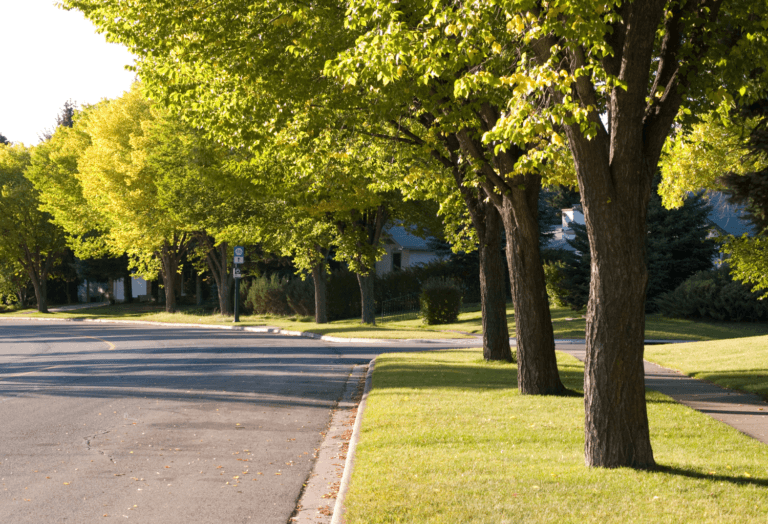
645 65
3 140
749 188
227 82
28 239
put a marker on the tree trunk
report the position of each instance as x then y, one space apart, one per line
615 207
367 303
217 263
40 286
170 268
493 294
537 364
87 292
321 303
128 288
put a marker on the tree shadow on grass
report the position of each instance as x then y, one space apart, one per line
444 372
753 381
689 473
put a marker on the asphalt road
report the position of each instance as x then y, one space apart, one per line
153 424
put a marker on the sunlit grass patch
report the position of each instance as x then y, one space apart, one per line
447 438
736 363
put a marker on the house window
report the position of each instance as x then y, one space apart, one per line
397 261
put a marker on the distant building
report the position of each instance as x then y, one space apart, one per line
725 219
404 250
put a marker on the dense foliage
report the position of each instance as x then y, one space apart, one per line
440 301
713 295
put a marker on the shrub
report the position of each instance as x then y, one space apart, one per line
713 295
300 295
554 278
440 301
266 295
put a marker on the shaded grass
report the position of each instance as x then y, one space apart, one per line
447 438
566 324
737 364
196 315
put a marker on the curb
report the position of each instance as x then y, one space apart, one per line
275 331
338 508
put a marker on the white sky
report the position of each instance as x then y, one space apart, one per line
48 57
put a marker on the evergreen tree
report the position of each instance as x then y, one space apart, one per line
3 140
751 189
677 247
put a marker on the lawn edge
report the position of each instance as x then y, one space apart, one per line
349 464
265 329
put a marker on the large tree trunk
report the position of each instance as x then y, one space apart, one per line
493 294
40 285
198 289
367 304
615 200
518 205
537 364
321 303
170 265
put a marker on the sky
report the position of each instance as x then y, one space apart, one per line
50 56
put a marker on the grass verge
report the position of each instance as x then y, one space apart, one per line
447 438
567 324
736 364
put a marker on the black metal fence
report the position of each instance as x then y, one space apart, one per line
405 307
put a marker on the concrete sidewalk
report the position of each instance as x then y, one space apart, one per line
745 412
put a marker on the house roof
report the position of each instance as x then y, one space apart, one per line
728 217
400 236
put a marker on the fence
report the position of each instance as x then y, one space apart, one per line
405 307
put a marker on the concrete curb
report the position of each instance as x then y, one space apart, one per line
338 508
270 330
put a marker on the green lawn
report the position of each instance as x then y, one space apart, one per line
737 363
567 324
447 438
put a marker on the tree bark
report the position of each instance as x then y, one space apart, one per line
40 286
128 288
367 304
493 294
537 363
170 267
321 303
217 261
517 204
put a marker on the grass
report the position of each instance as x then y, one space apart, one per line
737 364
567 324
447 438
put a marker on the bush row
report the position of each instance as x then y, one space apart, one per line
293 296
713 295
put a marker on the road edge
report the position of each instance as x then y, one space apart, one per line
338 508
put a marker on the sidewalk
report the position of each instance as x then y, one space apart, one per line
73 307
743 411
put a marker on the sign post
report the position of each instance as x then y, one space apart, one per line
239 259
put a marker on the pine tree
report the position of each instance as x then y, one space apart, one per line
677 247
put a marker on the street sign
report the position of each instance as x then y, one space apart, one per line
239 251
239 260
236 272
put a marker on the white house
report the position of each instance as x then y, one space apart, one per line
404 250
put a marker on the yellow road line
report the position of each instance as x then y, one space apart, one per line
107 342
27 372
